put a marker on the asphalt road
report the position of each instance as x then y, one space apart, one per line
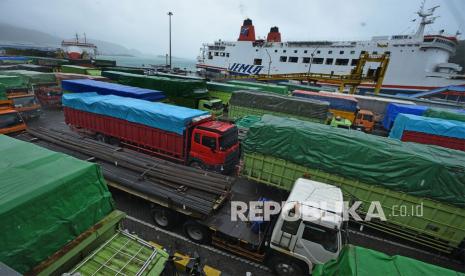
141 224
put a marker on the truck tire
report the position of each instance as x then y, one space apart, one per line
196 232
101 138
164 218
284 266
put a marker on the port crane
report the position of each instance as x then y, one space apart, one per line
354 79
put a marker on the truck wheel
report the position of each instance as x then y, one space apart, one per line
197 165
196 232
282 266
101 138
163 217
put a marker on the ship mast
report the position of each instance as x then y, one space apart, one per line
426 19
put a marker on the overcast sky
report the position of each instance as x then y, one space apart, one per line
143 24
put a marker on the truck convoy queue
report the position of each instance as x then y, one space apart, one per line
287 154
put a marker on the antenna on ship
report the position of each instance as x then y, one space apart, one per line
426 18
85 38
77 38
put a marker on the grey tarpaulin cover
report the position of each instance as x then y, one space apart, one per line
283 104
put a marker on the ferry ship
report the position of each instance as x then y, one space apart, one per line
418 62
76 49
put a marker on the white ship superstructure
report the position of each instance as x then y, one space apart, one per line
418 62
76 49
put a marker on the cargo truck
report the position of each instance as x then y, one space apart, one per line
246 103
288 247
359 261
26 104
64 221
343 106
179 134
10 119
431 131
367 168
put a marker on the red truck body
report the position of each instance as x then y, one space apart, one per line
187 148
430 139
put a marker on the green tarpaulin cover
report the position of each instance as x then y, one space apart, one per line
266 87
32 77
170 86
3 95
444 114
11 82
282 104
359 261
47 199
420 170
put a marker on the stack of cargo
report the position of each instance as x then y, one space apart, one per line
105 88
104 62
47 200
394 109
367 168
427 130
339 105
265 87
14 60
173 88
244 103
224 91
75 69
359 261
51 62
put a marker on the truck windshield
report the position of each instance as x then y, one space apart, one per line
9 120
228 139
217 105
368 118
326 237
24 101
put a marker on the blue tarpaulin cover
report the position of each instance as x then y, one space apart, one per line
393 109
158 115
106 88
434 126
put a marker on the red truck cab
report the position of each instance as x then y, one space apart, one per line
214 145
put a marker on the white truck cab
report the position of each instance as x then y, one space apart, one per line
315 237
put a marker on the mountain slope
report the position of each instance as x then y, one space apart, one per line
14 34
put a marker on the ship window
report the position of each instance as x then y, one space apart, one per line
257 61
306 60
428 40
222 54
284 51
354 62
227 54
363 52
293 59
295 51
283 58
341 52
318 51
330 52
375 53
329 61
256 50
275 51
317 61
305 51
387 52
216 54
342 61
352 52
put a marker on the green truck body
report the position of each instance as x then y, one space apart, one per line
31 78
313 88
224 91
441 224
359 261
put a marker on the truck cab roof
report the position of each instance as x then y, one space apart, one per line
216 126
319 202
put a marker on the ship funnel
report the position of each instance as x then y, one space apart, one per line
274 35
247 31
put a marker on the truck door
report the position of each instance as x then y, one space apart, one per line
320 244
205 147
